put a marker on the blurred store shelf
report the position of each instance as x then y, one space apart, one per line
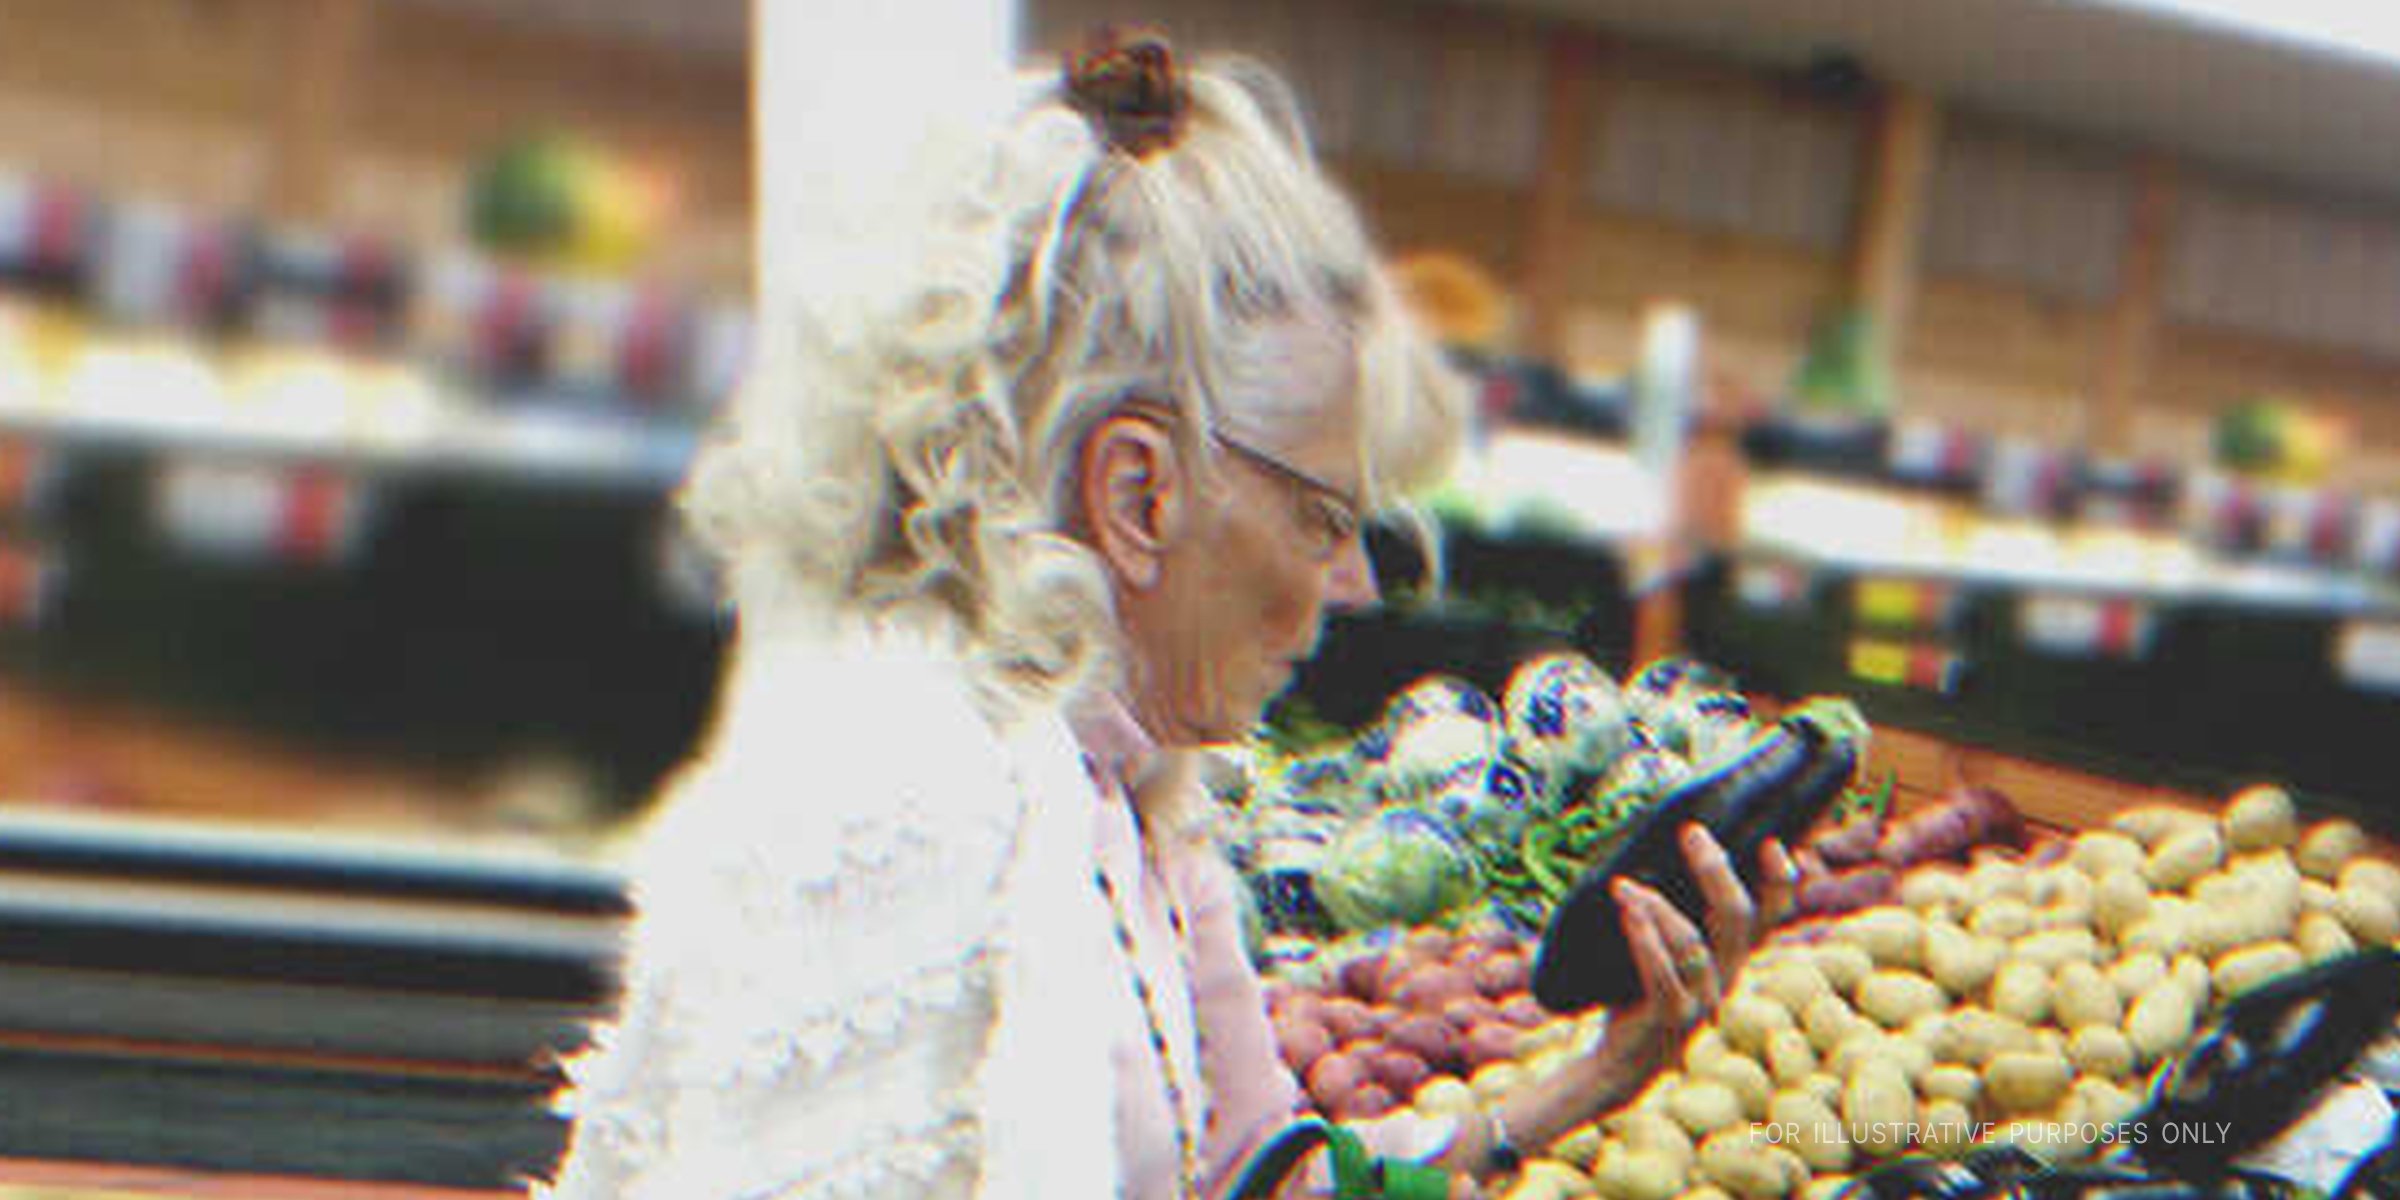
218 999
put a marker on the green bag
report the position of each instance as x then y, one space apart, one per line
1356 1174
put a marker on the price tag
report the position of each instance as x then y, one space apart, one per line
251 512
1929 453
1907 603
1923 666
2367 654
2086 627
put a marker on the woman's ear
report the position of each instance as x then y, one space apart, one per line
1133 495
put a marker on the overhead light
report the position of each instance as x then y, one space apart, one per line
2370 31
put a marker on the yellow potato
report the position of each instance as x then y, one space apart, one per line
1974 1035
2104 1103
1825 1187
1565 1181
2154 824
2373 874
1790 1059
1962 963
2322 936
1581 1147
1656 1132
2055 948
1794 983
2163 932
1703 1106
1949 1129
2316 895
2160 1021
1445 1096
2328 847
1994 879
2024 1081
1706 1046
1895 998
2261 818
2021 992
1495 1080
1748 1019
2184 858
2100 1051
1746 1078
1814 1131
2241 970
2119 901
1935 891
2004 917
1830 1021
1629 1174
1893 937
1953 1082
2368 915
2101 851
1826 1087
2081 995
1707 1191
1843 965
1877 1105
1747 1167
2134 973
2191 971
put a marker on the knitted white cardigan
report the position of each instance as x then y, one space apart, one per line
867 960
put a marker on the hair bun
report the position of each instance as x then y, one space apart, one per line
1127 85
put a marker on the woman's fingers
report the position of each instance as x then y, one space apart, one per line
1653 958
1778 893
1732 918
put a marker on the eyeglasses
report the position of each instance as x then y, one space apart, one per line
1330 516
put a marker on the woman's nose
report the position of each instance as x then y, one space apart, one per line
1352 582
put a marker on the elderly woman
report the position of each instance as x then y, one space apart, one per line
1067 495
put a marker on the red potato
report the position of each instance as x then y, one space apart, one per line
1367 1102
1523 1011
1431 945
1334 1076
1428 1037
1469 1012
1429 988
1302 1043
1492 1042
1501 974
1399 1071
1361 976
1344 1018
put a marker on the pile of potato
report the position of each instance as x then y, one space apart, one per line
2022 998
1387 1024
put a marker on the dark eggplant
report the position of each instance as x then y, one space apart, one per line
1777 788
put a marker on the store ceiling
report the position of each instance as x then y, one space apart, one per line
2324 121
2329 122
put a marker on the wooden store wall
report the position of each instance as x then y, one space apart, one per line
1641 174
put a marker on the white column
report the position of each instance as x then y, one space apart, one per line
847 96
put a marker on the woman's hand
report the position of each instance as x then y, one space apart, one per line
1683 971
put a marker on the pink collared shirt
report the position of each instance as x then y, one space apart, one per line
1179 901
